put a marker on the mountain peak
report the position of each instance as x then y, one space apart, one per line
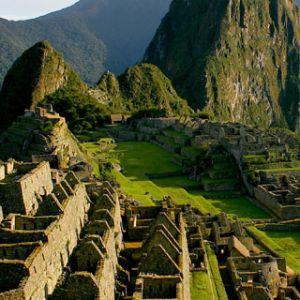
141 87
39 72
237 59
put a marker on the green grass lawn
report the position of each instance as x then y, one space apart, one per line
175 134
91 136
208 284
286 244
216 279
140 158
200 286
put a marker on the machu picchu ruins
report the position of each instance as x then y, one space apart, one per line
150 150
67 235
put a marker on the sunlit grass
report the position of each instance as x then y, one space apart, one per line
284 243
200 286
141 158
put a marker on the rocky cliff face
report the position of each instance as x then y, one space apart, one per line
238 59
141 87
39 72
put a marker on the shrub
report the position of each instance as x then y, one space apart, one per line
81 111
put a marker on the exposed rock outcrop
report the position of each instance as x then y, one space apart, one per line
238 59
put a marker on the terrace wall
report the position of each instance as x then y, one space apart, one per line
46 263
20 196
271 201
96 258
62 239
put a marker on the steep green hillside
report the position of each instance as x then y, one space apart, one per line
93 35
41 74
38 72
239 59
141 87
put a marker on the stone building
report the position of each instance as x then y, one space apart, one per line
282 201
23 186
34 249
93 266
261 277
249 272
155 254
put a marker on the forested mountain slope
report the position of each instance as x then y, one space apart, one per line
93 35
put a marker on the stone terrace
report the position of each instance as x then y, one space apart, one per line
93 267
22 186
248 272
35 249
261 158
156 252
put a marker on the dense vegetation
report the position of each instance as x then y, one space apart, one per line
81 111
238 60
38 72
142 89
41 74
93 35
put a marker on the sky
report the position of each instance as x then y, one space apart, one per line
28 9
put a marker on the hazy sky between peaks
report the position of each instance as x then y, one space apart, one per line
27 9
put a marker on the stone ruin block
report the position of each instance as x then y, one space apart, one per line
82 285
2 172
87 257
1 214
9 167
67 188
19 251
104 214
60 193
159 287
72 179
98 227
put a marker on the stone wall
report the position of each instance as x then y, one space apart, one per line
167 287
159 123
36 182
62 239
95 260
264 274
185 260
22 192
270 176
45 264
272 202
